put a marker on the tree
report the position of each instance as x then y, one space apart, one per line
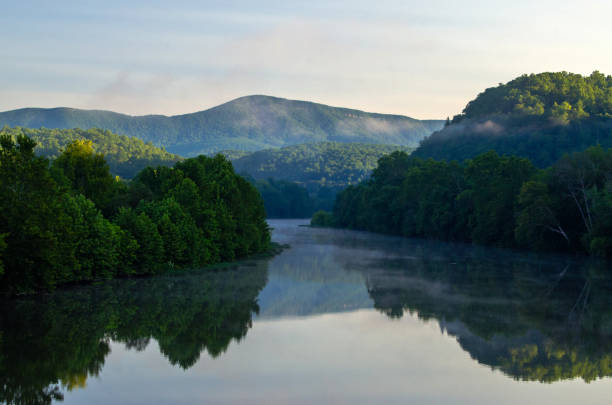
580 178
87 172
538 224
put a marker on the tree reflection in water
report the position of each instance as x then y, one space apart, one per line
54 342
532 317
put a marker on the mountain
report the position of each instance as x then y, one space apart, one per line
125 156
331 164
248 123
538 116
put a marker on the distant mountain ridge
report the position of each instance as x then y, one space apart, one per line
248 123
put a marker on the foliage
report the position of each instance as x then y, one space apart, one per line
125 156
73 222
30 216
247 123
538 116
491 199
561 95
86 171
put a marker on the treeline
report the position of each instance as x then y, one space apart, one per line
495 200
71 221
126 156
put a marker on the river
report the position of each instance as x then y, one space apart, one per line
340 317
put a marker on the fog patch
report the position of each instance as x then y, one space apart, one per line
488 127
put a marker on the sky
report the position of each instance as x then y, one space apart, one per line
424 59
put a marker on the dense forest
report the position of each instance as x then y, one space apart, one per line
72 221
247 123
125 156
538 116
331 164
490 199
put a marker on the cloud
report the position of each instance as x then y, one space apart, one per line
425 60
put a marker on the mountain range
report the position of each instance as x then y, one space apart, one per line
248 123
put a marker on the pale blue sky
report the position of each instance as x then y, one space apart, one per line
424 59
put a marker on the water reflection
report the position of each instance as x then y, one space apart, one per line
309 278
532 317
57 341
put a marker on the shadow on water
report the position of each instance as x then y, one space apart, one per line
55 342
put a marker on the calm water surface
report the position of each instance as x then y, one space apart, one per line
340 317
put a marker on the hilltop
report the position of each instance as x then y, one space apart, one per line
539 116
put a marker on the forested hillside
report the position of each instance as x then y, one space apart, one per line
331 164
496 200
295 181
72 221
248 123
538 116
126 156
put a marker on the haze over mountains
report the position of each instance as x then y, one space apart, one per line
248 123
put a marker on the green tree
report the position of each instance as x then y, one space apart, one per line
87 172
538 223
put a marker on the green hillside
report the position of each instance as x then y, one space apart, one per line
331 164
248 123
125 156
538 116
